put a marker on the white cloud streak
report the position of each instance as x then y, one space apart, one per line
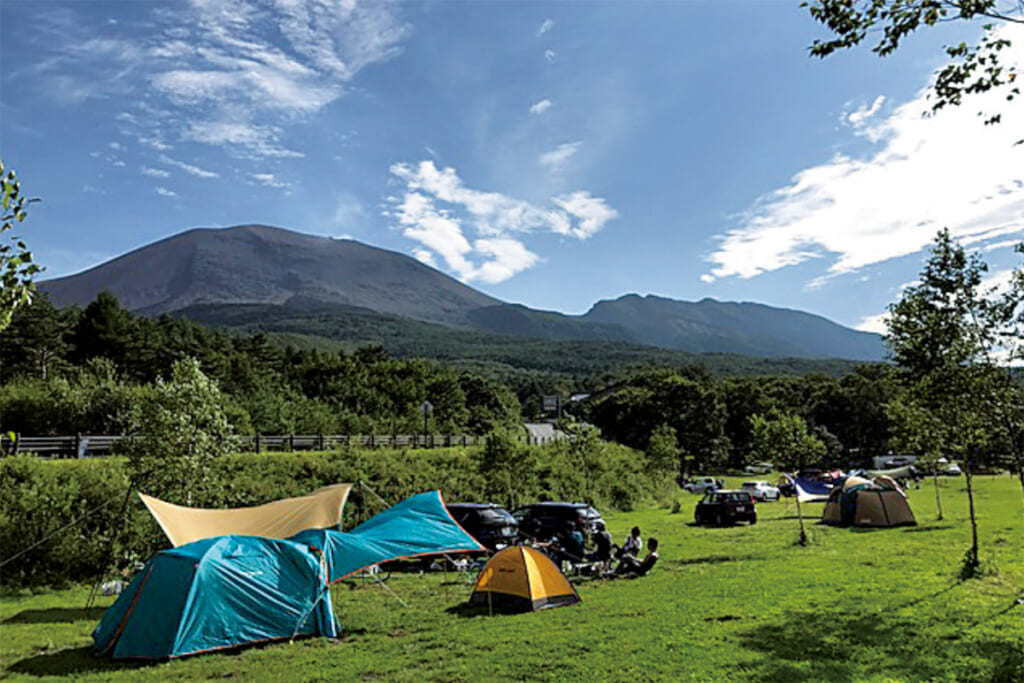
164 192
188 168
155 172
436 209
925 173
540 107
545 27
557 158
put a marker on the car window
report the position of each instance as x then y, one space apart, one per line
496 515
739 497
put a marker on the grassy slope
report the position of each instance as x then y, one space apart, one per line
736 604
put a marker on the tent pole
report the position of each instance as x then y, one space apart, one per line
93 594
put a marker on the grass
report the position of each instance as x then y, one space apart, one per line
733 604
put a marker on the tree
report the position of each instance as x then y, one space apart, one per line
785 440
182 429
974 69
16 267
945 335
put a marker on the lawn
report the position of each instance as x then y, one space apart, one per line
733 604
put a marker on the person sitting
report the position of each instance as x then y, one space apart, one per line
633 544
572 544
632 567
602 545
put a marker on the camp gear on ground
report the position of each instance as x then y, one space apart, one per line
279 519
521 579
233 590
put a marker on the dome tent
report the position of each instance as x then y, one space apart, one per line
522 579
866 503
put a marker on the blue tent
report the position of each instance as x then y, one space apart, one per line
233 590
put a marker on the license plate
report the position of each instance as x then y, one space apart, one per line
741 508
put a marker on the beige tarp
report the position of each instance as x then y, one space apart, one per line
280 519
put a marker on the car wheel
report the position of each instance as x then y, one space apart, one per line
753 520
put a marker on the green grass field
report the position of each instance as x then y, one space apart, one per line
733 604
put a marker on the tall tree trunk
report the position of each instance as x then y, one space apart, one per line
800 514
938 498
971 564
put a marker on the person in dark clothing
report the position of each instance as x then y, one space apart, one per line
630 566
572 544
602 545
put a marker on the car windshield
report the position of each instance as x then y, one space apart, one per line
737 497
496 515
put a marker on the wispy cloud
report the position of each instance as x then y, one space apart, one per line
164 192
540 107
155 172
188 168
269 180
925 173
545 27
558 157
550 55
231 73
437 210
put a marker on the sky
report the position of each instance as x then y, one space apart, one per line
550 154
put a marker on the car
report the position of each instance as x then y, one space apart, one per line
725 507
492 525
702 485
759 468
551 519
761 490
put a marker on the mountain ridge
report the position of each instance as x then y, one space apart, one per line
264 265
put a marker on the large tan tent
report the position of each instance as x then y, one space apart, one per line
861 502
521 578
279 519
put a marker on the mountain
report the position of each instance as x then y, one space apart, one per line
333 287
255 264
728 327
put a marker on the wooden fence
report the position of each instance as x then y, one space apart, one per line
93 445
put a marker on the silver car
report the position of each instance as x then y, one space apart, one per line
761 490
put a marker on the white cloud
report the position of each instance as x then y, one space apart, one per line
208 67
425 256
545 27
558 157
540 107
188 168
550 55
874 323
496 251
164 192
925 173
269 179
155 172
860 116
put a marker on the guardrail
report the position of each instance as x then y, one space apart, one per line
98 445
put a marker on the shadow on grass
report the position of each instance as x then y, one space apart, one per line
77 661
468 611
919 529
710 559
833 644
56 615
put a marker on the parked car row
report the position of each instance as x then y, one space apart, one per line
496 528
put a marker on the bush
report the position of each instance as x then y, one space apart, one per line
38 497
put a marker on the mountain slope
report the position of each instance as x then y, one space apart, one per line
263 265
728 327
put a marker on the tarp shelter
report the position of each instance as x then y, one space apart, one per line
279 519
521 578
233 590
809 490
865 503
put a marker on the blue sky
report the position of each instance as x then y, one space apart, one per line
551 154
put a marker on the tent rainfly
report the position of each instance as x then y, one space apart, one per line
227 591
522 579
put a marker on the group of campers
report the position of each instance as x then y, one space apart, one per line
605 559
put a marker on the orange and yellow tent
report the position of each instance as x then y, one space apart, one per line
522 578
